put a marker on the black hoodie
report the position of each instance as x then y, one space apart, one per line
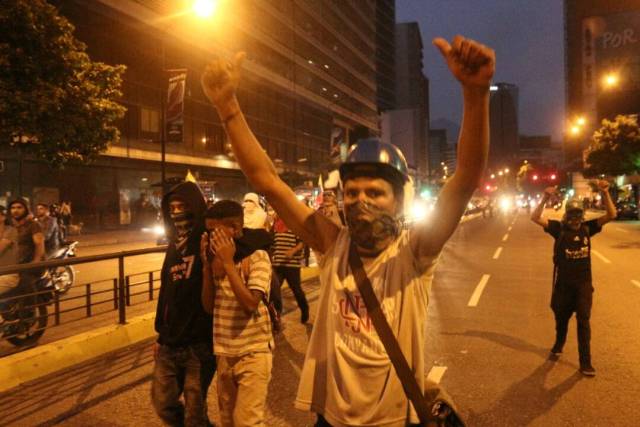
180 318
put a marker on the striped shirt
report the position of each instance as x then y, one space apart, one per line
236 332
282 243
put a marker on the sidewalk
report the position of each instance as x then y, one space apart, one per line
114 237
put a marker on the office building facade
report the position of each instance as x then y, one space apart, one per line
309 80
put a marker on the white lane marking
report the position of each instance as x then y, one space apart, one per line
602 257
505 237
622 230
496 254
475 297
636 282
436 373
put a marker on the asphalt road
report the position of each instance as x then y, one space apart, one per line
489 333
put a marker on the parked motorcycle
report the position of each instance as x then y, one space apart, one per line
24 319
64 275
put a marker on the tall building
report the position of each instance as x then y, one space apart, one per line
407 125
309 80
503 117
601 38
385 53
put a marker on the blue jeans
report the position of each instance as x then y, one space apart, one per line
183 370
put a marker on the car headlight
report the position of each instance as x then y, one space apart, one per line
158 230
505 203
419 211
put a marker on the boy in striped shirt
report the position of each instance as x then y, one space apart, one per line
234 288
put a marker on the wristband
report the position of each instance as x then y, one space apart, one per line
230 117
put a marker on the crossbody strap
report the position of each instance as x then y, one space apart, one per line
407 378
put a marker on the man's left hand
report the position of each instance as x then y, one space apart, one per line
472 63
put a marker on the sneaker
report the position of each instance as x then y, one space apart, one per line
587 371
556 350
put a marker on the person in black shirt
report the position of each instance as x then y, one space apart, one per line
572 283
184 361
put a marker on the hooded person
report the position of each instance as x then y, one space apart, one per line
185 330
254 215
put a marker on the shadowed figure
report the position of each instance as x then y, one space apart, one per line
525 400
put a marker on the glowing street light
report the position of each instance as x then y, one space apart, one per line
204 8
574 130
500 173
535 177
506 170
580 121
493 176
610 80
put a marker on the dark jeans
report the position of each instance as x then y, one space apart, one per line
292 276
567 299
183 370
321 422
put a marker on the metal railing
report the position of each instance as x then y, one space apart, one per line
118 293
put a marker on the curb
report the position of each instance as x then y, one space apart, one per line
37 362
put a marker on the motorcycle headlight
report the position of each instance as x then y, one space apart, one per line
158 230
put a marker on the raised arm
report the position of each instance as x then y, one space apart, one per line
473 65
219 83
536 215
609 207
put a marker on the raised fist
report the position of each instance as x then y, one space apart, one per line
472 63
220 80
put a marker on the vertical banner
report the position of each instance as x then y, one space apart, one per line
174 117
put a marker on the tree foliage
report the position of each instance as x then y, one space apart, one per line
615 148
52 95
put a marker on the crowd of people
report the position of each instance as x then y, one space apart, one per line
225 263
27 237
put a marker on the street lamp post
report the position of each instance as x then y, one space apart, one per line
202 9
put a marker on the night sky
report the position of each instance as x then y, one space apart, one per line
527 36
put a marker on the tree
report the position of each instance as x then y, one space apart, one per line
55 102
615 148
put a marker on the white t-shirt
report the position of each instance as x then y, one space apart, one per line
347 375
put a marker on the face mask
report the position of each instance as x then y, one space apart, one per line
374 233
183 222
23 216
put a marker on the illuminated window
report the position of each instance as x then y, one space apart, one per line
149 120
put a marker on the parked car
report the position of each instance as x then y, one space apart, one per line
627 210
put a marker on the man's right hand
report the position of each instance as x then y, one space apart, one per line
220 81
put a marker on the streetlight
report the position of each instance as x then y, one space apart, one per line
202 9
574 130
610 80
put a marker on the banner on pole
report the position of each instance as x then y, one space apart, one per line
174 117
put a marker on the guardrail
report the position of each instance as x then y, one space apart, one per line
121 291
